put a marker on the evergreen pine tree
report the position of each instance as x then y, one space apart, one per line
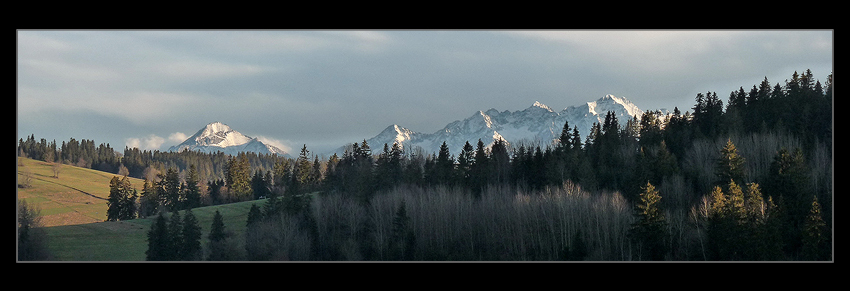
478 169
664 164
148 201
464 164
403 239
650 129
575 142
362 172
129 209
217 231
444 166
735 203
738 241
730 165
175 237
332 179
217 239
413 172
113 201
255 215
650 230
565 140
171 187
382 169
32 239
258 184
158 240
499 162
788 180
193 192
770 248
315 177
717 227
815 237
121 202
191 235
238 178
395 163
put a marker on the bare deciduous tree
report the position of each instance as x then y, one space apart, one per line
57 168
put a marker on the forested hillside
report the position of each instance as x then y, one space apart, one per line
746 179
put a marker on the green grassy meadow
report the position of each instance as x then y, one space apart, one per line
127 240
73 210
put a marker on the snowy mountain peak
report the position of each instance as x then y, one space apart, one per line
217 136
216 127
632 109
537 104
392 134
535 124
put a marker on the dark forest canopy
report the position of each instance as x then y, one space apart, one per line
773 140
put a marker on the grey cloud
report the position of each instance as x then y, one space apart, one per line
323 87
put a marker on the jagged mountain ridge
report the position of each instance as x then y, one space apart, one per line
537 124
217 136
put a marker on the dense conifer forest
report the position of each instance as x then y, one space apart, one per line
748 179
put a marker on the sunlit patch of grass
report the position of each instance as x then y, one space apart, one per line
76 190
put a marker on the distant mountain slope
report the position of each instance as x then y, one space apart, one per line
537 123
217 136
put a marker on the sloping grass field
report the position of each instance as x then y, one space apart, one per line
77 196
73 210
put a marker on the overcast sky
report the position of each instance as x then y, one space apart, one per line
153 89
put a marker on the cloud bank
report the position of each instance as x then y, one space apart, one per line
328 88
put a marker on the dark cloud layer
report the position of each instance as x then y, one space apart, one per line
324 88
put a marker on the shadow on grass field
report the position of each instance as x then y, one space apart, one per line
73 210
127 240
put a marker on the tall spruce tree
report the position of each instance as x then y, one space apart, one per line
650 230
113 202
730 165
499 162
171 188
190 249
121 203
217 239
158 240
258 185
566 136
788 180
255 215
217 231
444 166
193 192
148 201
238 178
718 227
403 238
175 237
815 237
382 175
478 169
464 164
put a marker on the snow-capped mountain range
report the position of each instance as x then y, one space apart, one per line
537 124
217 136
